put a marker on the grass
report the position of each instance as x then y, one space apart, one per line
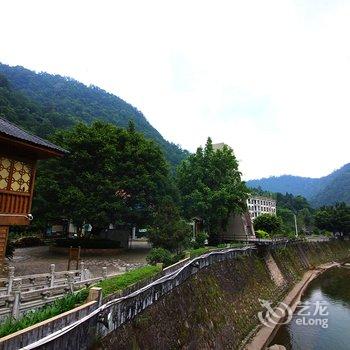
199 251
112 285
59 306
71 301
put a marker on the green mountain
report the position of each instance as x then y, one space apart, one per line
326 190
42 103
336 188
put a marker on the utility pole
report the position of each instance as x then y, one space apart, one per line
295 225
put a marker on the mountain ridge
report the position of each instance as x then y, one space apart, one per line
65 101
326 190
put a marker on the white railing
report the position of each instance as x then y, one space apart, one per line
23 293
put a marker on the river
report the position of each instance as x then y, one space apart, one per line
322 322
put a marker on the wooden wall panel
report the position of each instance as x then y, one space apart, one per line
3 240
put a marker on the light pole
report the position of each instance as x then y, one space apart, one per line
295 225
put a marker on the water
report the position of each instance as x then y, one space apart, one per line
324 323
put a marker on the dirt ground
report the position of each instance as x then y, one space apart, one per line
35 260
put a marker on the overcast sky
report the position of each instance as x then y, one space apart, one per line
269 78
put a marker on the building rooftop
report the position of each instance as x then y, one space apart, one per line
262 197
13 131
220 146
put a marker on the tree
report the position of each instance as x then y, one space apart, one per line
111 175
287 217
271 224
211 188
334 218
169 231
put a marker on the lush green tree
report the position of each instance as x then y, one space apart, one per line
269 223
304 217
289 205
169 231
334 218
211 187
287 217
111 175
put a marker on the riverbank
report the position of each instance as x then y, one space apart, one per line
264 334
218 307
321 321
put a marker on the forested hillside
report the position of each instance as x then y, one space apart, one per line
296 185
42 102
326 190
337 188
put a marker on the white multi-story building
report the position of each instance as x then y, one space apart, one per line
258 205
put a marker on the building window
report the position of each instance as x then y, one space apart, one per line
15 175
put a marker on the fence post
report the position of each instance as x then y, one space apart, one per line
82 271
104 272
16 304
17 284
52 275
95 293
71 281
11 277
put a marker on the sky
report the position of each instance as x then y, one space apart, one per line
269 78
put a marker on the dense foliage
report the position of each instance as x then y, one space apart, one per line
262 234
289 206
111 175
326 190
335 190
159 255
169 231
211 187
334 218
271 224
42 103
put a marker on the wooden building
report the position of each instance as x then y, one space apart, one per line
19 152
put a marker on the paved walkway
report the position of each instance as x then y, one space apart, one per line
34 260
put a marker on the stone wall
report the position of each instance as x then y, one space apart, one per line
217 307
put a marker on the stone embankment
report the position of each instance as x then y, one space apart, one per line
217 308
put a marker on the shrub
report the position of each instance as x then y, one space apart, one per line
222 245
316 231
272 224
262 234
160 255
328 234
200 240
28 241
88 243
